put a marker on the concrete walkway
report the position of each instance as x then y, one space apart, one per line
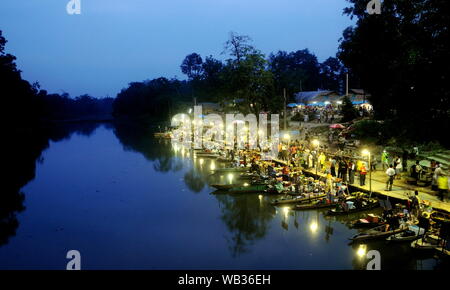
399 190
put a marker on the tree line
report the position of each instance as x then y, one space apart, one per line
23 104
247 75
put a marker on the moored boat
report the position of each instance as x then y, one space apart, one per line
370 221
318 205
379 232
298 199
367 205
412 233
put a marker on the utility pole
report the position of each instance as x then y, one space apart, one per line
346 90
285 105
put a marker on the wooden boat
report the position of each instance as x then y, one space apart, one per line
206 155
297 199
438 216
233 169
424 245
223 159
248 175
370 204
317 205
249 188
233 186
411 234
376 233
370 221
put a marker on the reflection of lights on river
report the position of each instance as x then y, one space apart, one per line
286 211
361 252
260 197
230 178
213 165
313 227
201 161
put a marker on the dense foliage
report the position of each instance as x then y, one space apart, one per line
246 79
402 57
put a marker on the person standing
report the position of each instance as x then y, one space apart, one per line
398 167
333 167
362 175
351 172
390 172
437 173
385 159
344 168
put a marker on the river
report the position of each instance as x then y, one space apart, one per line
126 200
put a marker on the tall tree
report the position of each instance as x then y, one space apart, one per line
192 66
402 57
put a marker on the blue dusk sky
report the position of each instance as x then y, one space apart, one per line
114 42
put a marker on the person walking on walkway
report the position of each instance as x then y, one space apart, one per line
362 175
351 172
390 172
385 159
442 183
398 167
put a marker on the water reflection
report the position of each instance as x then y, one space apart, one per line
246 218
254 231
22 150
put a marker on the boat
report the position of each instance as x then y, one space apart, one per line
368 204
248 188
377 233
315 205
438 216
233 186
223 159
412 233
297 199
206 155
370 221
248 175
424 245
233 169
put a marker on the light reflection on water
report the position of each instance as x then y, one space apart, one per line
128 201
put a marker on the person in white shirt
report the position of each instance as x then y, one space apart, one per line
390 172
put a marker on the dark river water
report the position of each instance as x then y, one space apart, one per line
126 200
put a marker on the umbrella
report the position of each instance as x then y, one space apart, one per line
425 163
337 126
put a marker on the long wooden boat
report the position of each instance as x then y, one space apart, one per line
236 185
370 221
207 155
376 233
370 205
248 175
424 245
297 199
248 189
223 159
233 169
315 206
411 234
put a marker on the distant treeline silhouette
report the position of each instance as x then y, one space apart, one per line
247 80
25 104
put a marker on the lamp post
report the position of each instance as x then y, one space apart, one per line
316 144
367 152
287 137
